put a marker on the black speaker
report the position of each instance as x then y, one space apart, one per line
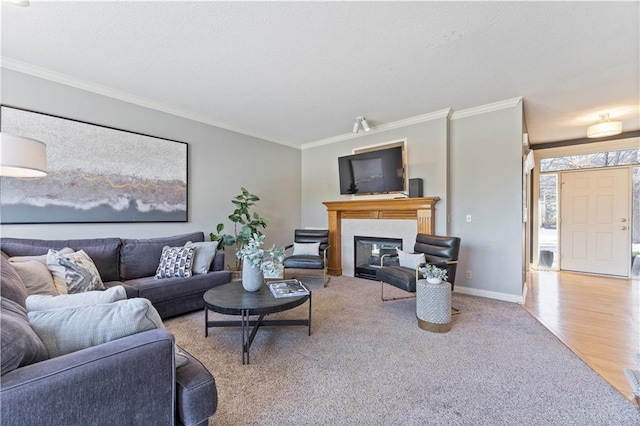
415 188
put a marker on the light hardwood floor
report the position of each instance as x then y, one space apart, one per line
598 318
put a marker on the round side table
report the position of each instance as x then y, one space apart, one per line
433 306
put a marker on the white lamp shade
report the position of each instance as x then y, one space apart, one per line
22 157
604 128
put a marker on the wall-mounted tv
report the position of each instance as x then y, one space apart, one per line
372 172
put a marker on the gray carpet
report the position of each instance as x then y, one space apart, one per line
368 363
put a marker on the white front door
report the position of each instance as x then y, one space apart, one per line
594 227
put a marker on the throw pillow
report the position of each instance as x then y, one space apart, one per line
71 329
202 256
11 285
175 262
19 345
410 260
306 249
35 276
42 303
74 272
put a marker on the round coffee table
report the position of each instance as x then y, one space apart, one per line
233 299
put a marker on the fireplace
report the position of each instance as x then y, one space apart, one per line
369 250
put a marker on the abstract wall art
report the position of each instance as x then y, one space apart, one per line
96 174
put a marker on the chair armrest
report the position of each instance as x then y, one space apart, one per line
386 255
287 247
130 379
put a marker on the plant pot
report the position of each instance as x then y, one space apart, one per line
434 280
251 277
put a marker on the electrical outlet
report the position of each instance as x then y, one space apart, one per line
468 275
468 218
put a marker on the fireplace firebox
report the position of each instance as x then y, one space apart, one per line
369 250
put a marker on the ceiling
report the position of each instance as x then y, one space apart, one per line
299 73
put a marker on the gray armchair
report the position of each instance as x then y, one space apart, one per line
311 260
439 251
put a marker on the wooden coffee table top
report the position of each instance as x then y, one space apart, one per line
232 299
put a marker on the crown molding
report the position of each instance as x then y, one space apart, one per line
56 77
483 109
443 113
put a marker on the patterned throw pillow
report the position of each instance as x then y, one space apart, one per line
74 272
175 262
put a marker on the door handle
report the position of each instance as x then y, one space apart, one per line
624 228
623 219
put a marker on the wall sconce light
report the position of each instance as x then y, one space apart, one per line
604 127
22 157
360 121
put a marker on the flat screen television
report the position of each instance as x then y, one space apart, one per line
372 172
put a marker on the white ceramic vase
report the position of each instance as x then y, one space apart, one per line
251 276
434 280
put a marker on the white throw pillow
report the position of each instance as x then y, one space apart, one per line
203 255
410 260
175 262
42 303
306 249
74 272
71 329
35 276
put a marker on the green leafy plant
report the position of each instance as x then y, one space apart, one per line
432 271
269 261
246 223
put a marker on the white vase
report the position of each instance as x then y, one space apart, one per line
434 280
251 276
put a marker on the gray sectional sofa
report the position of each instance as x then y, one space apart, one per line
132 263
132 380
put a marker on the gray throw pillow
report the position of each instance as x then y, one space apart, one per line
203 255
175 262
71 329
42 303
20 345
74 272
11 286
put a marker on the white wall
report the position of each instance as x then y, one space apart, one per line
486 183
220 162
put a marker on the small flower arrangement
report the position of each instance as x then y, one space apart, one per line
268 261
432 271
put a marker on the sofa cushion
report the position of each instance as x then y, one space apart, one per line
175 288
71 329
38 302
11 286
20 345
73 273
36 277
196 393
175 262
203 256
140 257
105 252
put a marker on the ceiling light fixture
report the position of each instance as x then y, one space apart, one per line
22 157
360 121
21 3
604 127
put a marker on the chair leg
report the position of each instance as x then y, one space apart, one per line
325 279
392 298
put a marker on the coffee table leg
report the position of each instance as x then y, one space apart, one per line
245 336
309 314
206 322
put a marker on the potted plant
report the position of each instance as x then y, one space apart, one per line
433 274
257 261
246 224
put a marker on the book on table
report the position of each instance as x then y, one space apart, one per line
287 288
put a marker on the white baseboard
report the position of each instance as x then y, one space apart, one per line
489 294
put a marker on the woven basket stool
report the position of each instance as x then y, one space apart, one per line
433 306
